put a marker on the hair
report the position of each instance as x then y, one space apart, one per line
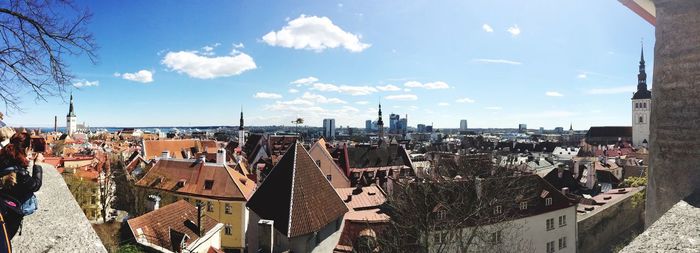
14 154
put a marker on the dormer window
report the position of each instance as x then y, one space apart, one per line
208 184
318 163
523 205
497 210
548 201
441 214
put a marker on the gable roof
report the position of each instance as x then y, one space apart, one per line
227 183
162 226
297 196
154 148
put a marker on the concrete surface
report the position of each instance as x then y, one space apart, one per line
59 224
676 231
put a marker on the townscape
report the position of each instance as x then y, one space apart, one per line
311 185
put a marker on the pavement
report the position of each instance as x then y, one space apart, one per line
59 224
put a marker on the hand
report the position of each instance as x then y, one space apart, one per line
38 158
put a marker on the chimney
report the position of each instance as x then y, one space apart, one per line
266 235
565 190
153 202
202 159
221 156
349 198
165 154
199 218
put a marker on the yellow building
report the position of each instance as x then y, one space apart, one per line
221 189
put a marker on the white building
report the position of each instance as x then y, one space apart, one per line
641 108
548 224
71 124
463 125
329 128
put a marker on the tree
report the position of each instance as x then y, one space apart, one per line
458 214
37 35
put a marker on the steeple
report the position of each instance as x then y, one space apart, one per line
70 110
642 91
571 127
380 124
241 125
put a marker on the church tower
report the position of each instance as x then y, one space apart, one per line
380 124
241 131
641 108
71 119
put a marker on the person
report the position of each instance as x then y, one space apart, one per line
16 183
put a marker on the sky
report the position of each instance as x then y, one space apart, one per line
494 63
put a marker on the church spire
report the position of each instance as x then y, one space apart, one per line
380 124
240 127
71 113
642 90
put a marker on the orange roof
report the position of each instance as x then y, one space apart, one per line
157 226
369 196
208 180
154 148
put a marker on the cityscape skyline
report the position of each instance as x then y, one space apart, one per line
431 81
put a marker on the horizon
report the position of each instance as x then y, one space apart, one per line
437 62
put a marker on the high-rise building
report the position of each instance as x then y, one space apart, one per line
522 128
420 128
71 124
403 125
463 125
641 108
394 124
368 125
329 128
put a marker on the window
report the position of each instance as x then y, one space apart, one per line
441 237
441 214
641 119
645 105
329 177
550 224
550 247
548 201
636 105
208 184
187 199
227 208
210 206
523 205
562 220
496 237
562 242
227 230
497 210
318 163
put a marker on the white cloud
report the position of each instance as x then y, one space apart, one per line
495 108
430 86
314 33
205 67
266 95
499 61
612 90
582 76
553 94
297 101
239 45
362 102
293 90
402 97
443 104
85 83
487 28
348 89
389 87
514 30
321 99
142 76
465 100
305 81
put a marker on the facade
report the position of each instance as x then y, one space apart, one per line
463 125
329 128
641 108
325 162
222 190
71 124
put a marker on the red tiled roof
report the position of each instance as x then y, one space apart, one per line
180 216
297 196
353 229
154 148
366 197
227 183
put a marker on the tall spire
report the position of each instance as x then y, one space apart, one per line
380 124
642 91
241 125
71 113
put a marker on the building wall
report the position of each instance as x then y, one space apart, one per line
640 130
329 167
76 163
605 229
523 235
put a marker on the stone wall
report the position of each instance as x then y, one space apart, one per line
606 228
59 224
674 170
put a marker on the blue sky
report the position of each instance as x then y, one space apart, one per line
494 63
